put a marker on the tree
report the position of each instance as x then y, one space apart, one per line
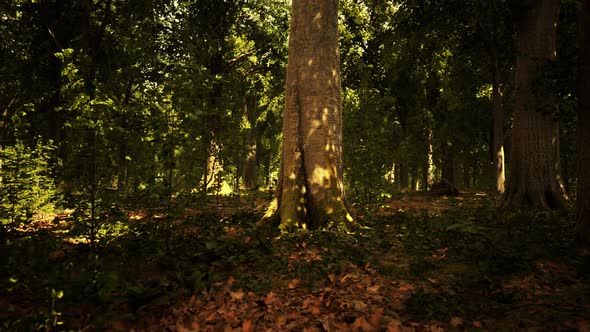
583 200
310 191
535 173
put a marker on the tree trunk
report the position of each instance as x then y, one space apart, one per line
250 168
403 179
415 181
310 191
583 200
448 163
427 168
535 175
498 127
466 174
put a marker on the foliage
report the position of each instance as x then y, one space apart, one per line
26 184
125 121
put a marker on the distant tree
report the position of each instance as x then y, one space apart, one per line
310 192
583 200
535 173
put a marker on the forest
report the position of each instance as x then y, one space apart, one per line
294 165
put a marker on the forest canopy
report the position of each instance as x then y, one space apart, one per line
130 120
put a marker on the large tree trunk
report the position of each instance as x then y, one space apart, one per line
583 200
535 176
310 192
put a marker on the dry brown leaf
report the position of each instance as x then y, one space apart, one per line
237 295
456 321
247 326
376 317
361 324
315 310
332 278
294 283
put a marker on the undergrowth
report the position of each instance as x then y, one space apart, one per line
460 263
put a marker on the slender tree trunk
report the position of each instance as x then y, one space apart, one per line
123 146
498 127
583 200
427 168
403 169
310 191
535 175
415 180
448 164
466 174
250 168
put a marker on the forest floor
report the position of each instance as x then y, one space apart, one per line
423 263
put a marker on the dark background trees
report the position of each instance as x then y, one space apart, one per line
185 98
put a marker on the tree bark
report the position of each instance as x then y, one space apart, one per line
404 174
448 163
250 167
583 200
466 174
415 181
427 170
310 191
498 127
535 176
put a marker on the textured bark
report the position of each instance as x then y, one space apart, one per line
583 200
310 191
427 168
535 175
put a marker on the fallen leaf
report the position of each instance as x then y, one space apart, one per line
456 321
247 326
332 278
477 324
374 289
270 298
294 283
211 317
361 324
238 295
434 281
315 310
376 317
